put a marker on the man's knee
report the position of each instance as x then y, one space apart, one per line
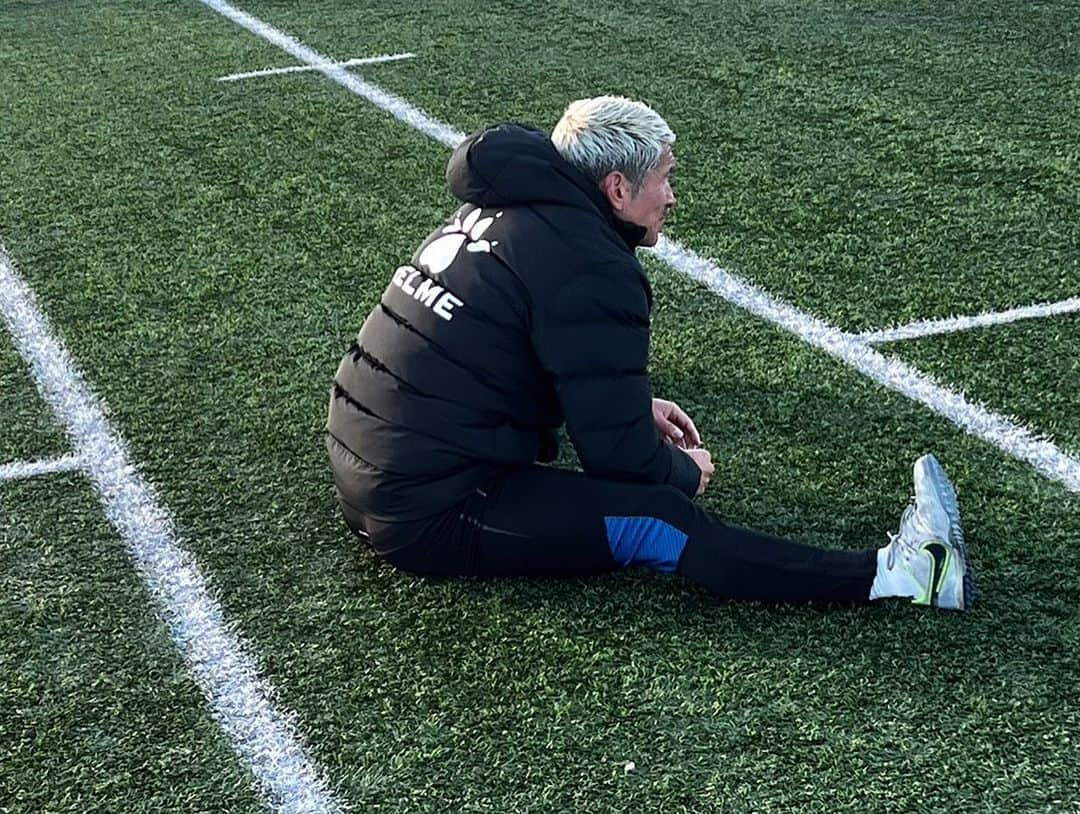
673 506
655 532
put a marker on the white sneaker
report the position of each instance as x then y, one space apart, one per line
927 559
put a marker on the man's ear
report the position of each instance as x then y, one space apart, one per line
616 189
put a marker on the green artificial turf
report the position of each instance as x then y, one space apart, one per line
26 432
99 713
207 250
1029 369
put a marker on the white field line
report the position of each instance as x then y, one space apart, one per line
18 470
1006 435
234 77
242 703
980 422
931 327
394 105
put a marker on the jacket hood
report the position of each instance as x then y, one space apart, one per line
508 164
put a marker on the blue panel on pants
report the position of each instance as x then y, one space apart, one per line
645 541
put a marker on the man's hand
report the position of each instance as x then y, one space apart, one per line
674 425
703 459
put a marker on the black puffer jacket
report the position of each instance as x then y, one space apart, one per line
525 309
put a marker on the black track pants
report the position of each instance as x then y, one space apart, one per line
540 521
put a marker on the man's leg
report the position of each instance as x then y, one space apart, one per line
543 521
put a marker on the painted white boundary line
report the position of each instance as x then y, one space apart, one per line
242 703
18 470
930 327
394 105
1006 435
980 422
234 77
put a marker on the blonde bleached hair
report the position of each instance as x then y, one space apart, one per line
608 134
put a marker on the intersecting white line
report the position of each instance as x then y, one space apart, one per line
265 737
233 77
975 419
18 470
1007 435
930 327
394 105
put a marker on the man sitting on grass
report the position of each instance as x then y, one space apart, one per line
528 309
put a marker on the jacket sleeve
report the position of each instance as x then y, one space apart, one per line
593 339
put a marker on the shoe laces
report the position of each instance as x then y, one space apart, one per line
900 539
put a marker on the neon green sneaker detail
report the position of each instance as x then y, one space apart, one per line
925 559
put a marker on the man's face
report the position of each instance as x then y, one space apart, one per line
650 206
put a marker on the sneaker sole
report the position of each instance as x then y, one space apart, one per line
933 472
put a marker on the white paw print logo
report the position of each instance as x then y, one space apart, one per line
440 253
